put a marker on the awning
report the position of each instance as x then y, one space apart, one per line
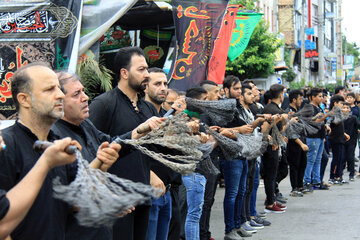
281 68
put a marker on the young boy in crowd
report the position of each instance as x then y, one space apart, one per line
351 128
337 138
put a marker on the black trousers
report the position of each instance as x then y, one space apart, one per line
270 162
349 152
282 170
245 210
133 226
297 163
209 199
175 222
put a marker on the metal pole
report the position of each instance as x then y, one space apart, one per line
321 41
339 46
303 39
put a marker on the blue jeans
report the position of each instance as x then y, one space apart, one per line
235 172
195 190
159 219
254 191
316 147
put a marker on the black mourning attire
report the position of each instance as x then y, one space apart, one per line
113 113
90 139
46 218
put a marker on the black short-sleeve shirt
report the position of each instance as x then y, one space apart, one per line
46 218
113 113
4 204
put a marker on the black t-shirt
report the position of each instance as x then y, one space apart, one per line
273 108
337 133
113 113
4 204
47 216
351 126
90 139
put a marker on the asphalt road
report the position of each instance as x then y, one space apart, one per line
332 214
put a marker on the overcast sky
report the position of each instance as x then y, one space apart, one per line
351 21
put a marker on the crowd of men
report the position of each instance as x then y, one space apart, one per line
54 107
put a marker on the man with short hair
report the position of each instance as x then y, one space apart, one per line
160 212
350 98
315 143
213 94
171 97
120 111
39 102
212 90
296 150
236 169
340 90
75 124
270 158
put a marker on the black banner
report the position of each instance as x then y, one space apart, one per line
197 25
34 31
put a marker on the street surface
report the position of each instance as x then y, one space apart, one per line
322 215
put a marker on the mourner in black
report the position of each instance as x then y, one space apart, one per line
120 111
39 101
94 144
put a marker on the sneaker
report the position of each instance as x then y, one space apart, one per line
261 221
337 182
283 207
351 179
280 200
331 181
243 233
296 193
274 209
261 215
248 228
280 196
256 225
308 188
344 181
232 236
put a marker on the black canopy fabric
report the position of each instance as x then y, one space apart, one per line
146 15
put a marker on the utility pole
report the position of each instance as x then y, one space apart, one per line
321 41
339 45
303 39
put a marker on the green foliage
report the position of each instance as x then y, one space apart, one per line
247 4
297 84
95 77
352 50
330 87
257 60
289 75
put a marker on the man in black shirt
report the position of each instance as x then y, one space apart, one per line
39 101
270 158
162 208
296 150
15 204
95 144
119 111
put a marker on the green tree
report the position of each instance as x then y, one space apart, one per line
257 60
352 50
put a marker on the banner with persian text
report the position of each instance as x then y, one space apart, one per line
245 25
33 31
197 25
217 64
